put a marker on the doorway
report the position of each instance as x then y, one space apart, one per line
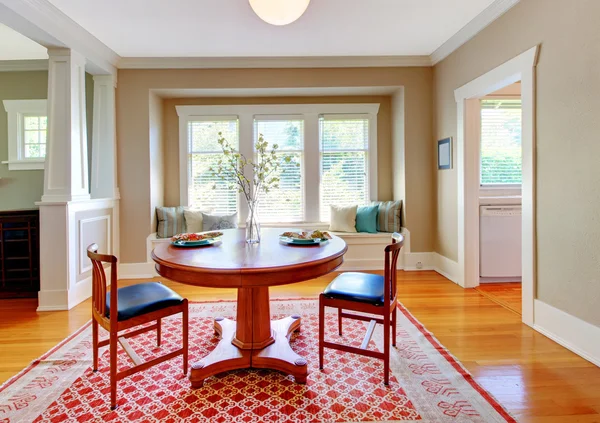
520 68
500 213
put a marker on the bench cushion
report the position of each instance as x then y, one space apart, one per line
139 299
355 286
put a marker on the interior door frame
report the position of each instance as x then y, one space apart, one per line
520 68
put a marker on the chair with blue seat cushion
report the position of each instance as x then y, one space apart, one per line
135 305
365 293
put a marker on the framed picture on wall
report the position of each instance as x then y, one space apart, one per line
445 153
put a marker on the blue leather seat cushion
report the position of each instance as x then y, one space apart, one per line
142 298
354 286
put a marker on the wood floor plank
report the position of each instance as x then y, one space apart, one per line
536 379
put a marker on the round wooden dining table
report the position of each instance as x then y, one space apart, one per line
253 340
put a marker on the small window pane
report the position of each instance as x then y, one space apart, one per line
32 137
43 137
205 135
43 122
32 122
42 150
33 151
347 134
287 134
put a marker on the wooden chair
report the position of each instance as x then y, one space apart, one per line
366 293
135 305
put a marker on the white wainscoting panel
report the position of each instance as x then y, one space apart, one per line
93 230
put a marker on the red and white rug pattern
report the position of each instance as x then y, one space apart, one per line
427 385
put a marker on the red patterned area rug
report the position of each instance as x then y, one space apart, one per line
427 385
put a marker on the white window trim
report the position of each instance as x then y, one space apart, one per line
15 110
310 113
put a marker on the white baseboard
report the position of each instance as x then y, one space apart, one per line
569 331
446 267
418 261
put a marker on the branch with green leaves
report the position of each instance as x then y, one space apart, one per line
232 168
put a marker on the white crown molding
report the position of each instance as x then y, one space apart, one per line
23 65
44 23
271 62
481 21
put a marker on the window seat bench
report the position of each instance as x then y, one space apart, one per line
365 250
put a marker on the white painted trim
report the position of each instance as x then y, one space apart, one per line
446 267
310 113
23 65
569 331
271 62
520 68
47 25
478 24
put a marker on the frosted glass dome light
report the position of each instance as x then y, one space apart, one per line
279 12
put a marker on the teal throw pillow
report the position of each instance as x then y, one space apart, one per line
366 219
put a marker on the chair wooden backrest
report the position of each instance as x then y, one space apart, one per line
99 285
392 251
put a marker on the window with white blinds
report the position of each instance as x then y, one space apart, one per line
344 145
333 151
285 203
205 190
501 142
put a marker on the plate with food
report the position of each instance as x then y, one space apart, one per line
196 239
305 237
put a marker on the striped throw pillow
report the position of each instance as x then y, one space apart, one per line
170 221
389 216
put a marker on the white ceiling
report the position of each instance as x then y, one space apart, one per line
229 28
14 46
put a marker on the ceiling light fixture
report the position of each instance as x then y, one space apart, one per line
279 12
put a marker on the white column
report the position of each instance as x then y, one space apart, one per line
104 140
65 184
66 173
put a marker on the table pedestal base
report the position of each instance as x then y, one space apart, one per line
226 356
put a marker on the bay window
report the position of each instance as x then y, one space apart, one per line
332 147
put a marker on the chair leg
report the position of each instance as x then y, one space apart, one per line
340 321
158 332
394 327
95 343
386 349
113 370
185 329
321 330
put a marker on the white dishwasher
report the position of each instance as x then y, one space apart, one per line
500 243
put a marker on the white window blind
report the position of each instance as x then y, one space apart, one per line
501 141
206 191
286 203
34 137
344 145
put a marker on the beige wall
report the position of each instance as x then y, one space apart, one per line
19 189
568 141
133 125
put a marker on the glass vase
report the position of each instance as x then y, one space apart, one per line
252 224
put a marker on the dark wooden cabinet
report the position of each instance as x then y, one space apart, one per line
19 253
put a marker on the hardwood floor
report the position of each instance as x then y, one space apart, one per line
508 295
534 378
